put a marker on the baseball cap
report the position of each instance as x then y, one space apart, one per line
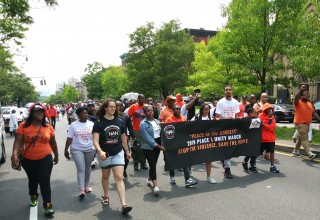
37 106
244 97
197 90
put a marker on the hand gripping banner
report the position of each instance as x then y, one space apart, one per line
195 142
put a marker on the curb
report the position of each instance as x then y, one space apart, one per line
289 148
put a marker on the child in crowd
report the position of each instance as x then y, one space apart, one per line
251 113
268 134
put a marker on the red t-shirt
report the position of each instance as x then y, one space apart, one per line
41 148
135 121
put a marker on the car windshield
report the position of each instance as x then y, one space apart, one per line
286 107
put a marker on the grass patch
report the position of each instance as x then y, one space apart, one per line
286 133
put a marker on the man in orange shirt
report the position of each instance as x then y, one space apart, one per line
137 115
177 117
167 110
304 111
53 114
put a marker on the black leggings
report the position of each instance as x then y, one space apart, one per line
39 172
53 122
152 158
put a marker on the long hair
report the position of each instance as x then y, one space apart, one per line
101 111
202 109
30 117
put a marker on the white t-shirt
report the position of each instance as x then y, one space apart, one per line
202 118
81 133
212 111
156 129
184 111
227 108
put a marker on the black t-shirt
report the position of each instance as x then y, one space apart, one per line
110 134
192 110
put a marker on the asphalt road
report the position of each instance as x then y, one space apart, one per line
292 194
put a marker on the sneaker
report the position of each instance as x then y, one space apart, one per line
191 174
82 194
125 175
211 180
274 169
172 181
156 190
296 154
93 165
245 166
312 156
149 183
47 208
88 189
227 173
190 182
144 166
253 169
34 200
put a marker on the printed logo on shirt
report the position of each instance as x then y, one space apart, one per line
169 131
112 134
139 117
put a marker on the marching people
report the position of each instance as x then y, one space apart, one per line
52 111
129 132
179 100
13 123
136 113
82 150
242 106
227 108
39 143
268 134
109 139
204 114
304 111
156 113
177 117
166 112
193 106
213 109
151 144
251 112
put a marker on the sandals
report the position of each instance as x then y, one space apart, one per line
105 200
126 209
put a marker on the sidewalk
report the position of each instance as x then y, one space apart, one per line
288 146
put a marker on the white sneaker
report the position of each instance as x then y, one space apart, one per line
312 155
149 183
211 180
156 190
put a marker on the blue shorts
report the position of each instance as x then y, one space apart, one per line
112 161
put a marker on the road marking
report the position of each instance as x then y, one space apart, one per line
303 157
33 213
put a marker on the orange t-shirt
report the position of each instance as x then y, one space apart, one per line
303 113
41 148
242 108
165 113
172 118
135 121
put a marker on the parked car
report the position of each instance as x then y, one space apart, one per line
283 112
2 139
6 111
317 107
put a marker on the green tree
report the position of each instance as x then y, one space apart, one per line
23 90
258 34
70 94
92 80
114 82
159 59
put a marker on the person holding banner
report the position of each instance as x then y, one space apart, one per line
204 114
268 135
177 117
227 108
151 144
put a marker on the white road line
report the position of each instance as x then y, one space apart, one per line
33 213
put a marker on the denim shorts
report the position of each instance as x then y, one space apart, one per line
112 161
